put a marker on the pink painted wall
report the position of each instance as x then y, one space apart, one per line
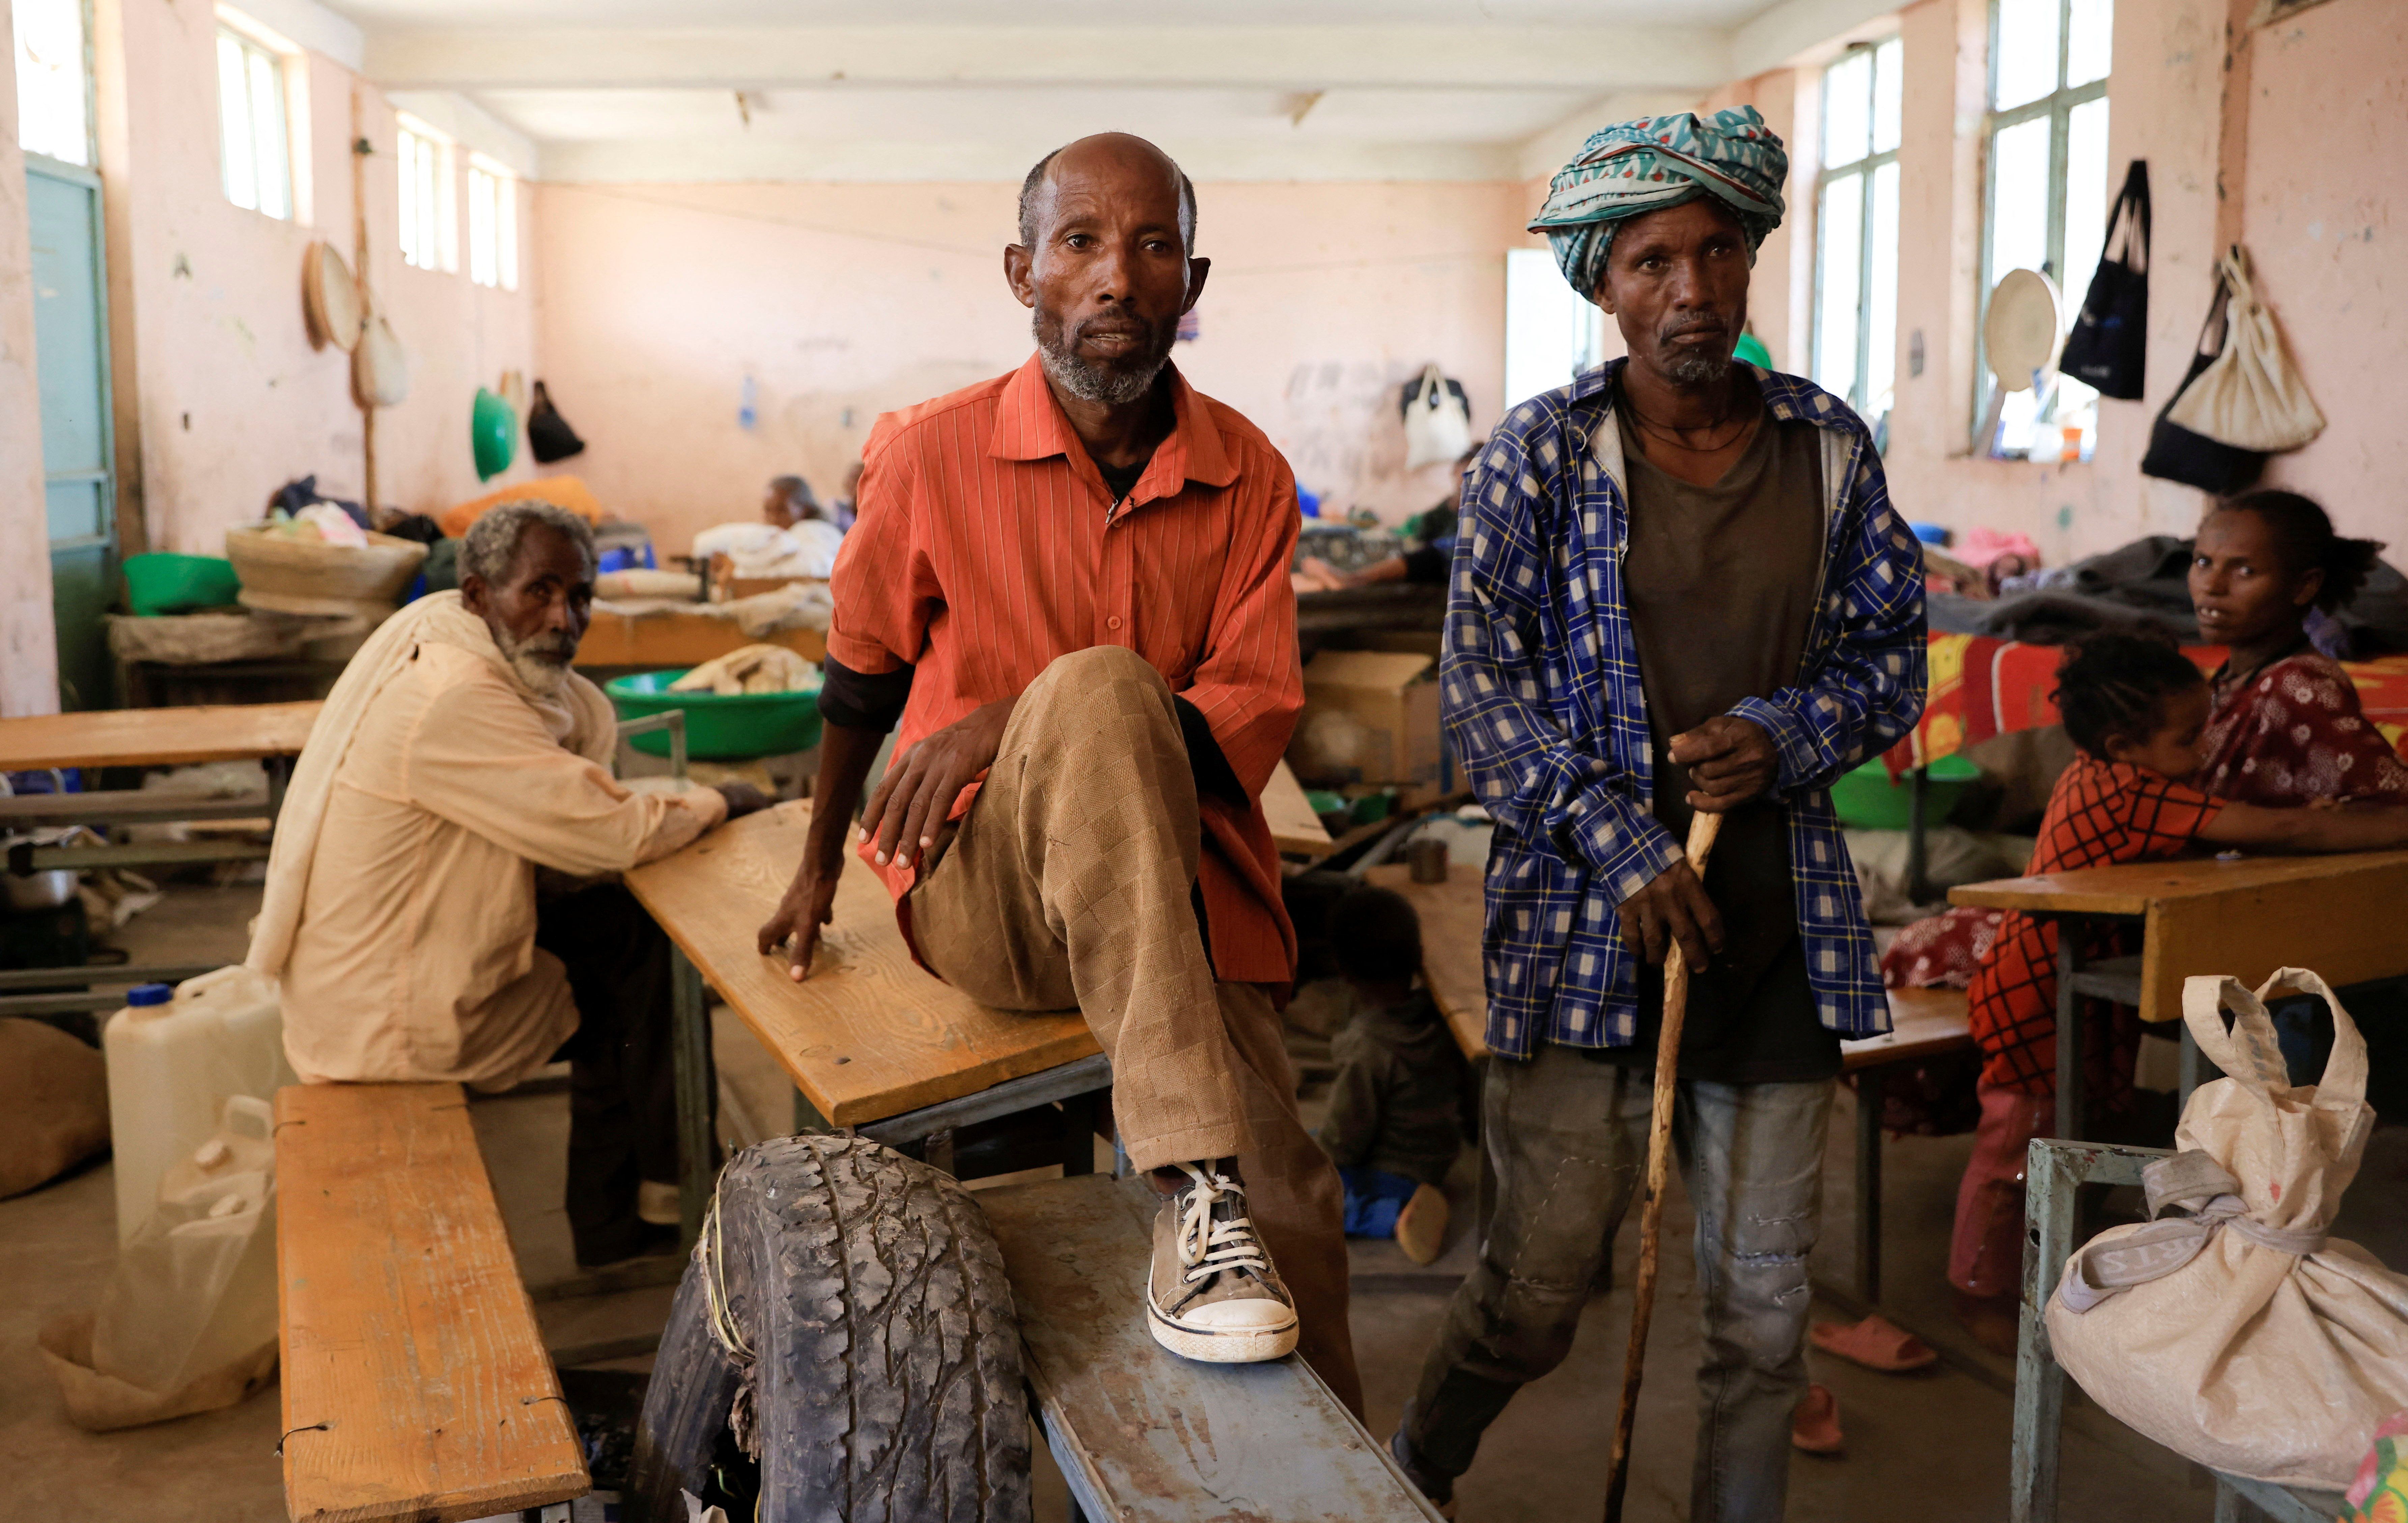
833 303
2314 170
225 397
29 677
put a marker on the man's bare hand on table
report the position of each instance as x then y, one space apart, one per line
910 808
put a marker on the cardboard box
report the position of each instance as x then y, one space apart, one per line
1372 716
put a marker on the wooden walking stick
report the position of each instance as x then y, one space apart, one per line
1702 830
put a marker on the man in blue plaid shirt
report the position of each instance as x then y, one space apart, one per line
1678 588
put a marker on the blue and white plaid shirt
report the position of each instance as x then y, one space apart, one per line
1544 711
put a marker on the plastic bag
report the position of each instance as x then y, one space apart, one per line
187 1322
1438 421
2249 396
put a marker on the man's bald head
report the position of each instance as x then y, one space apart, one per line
1036 188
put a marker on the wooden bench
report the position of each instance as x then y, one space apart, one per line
1142 1436
416 1384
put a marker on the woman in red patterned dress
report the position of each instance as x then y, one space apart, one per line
2286 729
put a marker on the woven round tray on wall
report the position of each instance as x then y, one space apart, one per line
2021 330
330 298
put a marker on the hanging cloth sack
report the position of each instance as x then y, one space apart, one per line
2176 453
1438 420
548 436
2109 346
2239 1335
2249 397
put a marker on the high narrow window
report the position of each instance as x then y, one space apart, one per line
255 148
2047 203
428 241
53 102
1550 334
493 224
1855 217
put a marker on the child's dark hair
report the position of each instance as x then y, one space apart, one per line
2118 685
1376 936
2308 543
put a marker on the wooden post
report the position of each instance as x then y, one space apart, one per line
1703 828
359 151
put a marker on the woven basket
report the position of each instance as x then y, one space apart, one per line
286 575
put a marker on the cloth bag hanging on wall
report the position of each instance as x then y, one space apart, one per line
2239 1335
2109 346
2249 396
1438 420
2177 453
548 436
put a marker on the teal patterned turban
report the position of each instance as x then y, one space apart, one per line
1657 161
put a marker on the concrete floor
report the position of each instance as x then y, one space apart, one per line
1929 1444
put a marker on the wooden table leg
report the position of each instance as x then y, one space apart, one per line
697 1148
2069 1030
1868 1185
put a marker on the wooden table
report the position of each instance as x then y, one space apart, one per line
658 641
1295 830
2242 916
156 736
871 1040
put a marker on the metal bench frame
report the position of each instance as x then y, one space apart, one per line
2055 1171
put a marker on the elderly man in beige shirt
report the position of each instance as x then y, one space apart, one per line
457 756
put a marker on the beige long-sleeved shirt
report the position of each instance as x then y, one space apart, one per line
415 955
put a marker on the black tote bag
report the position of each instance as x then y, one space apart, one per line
549 434
2178 455
2109 346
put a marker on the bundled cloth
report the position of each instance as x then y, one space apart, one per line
1635 167
761 551
754 668
2240 1334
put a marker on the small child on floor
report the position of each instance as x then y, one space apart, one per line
2136 710
1395 1112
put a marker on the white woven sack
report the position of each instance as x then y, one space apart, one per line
2249 396
2239 1335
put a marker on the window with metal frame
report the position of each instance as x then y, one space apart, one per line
54 91
428 224
2046 202
493 224
1855 221
255 147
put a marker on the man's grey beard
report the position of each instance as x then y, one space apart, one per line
1110 385
1693 369
529 658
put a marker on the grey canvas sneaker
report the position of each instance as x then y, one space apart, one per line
1213 1293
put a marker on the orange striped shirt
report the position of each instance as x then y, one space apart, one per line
988 545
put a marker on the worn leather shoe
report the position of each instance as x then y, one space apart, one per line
1213 1293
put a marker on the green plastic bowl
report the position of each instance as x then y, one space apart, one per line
160 583
719 726
1866 800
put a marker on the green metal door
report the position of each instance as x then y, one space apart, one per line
78 462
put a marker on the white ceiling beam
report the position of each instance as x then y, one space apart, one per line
1797 32
1286 57
1543 153
743 160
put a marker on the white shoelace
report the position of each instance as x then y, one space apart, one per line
1208 1247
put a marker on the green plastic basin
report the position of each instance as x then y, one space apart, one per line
719 726
160 583
1866 800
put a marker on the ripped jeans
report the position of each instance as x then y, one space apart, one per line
1566 1140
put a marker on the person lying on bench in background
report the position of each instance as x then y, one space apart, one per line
457 755
1395 1111
2138 710
1069 584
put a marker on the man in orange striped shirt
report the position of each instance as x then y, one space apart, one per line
1070 585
